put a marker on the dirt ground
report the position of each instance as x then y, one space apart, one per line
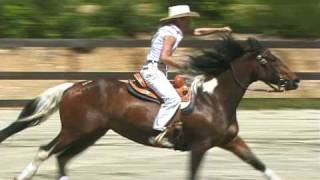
288 141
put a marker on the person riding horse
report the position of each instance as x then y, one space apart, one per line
164 43
220 77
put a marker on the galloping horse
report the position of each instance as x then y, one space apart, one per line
89 109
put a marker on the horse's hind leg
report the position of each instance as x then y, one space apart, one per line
241 149
60 143
43 154
75 148
19 125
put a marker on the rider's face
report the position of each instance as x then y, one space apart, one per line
184 23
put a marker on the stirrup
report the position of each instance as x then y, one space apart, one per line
161 141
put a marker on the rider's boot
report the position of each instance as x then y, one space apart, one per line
161 140
161 137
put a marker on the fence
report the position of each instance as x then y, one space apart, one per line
93 43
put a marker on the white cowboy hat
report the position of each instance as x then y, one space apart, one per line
180 11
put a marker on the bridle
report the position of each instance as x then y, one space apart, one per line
263 61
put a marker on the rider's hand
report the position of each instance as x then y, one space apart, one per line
197 32
205 31
227 29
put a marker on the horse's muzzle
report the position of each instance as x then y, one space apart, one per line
291 84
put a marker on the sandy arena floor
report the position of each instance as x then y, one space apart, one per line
288 141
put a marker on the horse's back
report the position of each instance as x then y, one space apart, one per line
87 103
95 87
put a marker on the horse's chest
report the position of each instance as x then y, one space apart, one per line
231 132
205 126
212 124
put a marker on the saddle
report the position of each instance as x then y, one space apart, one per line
139 88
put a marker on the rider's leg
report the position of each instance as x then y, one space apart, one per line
157 81
166 112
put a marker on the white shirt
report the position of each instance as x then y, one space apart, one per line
158 40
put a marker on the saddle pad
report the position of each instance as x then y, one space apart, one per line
144 94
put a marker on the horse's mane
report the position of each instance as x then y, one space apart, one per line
218 59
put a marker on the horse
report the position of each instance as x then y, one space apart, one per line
88 109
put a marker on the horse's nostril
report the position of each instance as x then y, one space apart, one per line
292 84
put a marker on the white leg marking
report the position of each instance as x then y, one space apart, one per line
64 178
270 175
28 172
209 86
32 167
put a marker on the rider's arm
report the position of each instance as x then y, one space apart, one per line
166 53
206 31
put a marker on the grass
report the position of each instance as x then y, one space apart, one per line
280 103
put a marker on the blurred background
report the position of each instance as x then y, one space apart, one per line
129 18
48 42
22 23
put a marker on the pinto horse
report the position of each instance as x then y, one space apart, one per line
89 109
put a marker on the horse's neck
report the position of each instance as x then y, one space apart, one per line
230 90
228 93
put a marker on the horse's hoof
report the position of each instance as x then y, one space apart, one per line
64 178
270 175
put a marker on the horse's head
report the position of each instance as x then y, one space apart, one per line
248 63
269 68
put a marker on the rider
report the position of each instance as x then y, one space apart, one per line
164 42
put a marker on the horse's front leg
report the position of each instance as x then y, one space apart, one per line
241 149
198 150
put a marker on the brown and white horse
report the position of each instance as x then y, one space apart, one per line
89 109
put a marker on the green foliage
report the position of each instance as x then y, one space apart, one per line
211 11
292 18
115 17
110 18
287 18
37 18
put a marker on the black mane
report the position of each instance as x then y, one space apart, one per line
218 60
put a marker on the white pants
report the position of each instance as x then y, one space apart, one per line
159 83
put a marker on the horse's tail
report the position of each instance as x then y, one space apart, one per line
37 110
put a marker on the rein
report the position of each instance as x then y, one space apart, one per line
262 61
